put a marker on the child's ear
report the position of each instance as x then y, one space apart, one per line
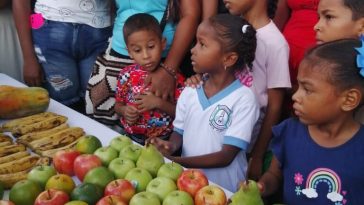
360 23
352 99
230 59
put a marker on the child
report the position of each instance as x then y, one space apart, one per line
320 155
270 75
144 115
341 19
214 123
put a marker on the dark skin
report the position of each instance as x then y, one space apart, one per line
162 83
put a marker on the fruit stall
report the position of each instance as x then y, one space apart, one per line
91 154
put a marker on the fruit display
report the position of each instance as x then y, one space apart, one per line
249 193
18 102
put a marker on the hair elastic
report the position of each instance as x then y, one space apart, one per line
360 57
244 28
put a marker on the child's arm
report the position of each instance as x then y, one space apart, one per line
221 158
149 101
271 179
209 8
283 14
273 114
129 113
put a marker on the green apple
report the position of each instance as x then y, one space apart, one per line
145 198
132 152
171 170
87 192
41 174
106 154
120 166
161 186
100 176
120 142
249 193
24 192
76 203
178 198
139 178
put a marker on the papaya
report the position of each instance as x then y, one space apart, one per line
18 102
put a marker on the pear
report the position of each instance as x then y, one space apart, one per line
248 194
150 159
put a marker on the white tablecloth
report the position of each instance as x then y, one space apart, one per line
90 126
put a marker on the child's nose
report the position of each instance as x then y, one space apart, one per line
145 54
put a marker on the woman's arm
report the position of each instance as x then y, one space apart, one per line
272 117
221 158
163 84
272 179
31 69
282 14
209 8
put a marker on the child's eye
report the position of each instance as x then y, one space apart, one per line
202 44
328 17
308 91
136 50
151 46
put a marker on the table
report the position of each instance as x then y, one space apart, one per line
90 126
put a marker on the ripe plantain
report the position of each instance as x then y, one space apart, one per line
5 138
27 138
8 180
19 164
13 157
39 126
10 149
50 153
59 139
3 144
27 120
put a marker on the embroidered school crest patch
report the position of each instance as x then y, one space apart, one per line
220 118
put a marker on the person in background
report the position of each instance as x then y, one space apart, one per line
60 43
10 52
178 20
144 115
319 155
214 123
268 79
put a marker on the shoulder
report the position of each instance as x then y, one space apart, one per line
271 36
288 127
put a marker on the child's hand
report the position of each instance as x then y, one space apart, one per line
165 147
255 168
194 81
131 114
147 101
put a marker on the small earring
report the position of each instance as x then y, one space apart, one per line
225 67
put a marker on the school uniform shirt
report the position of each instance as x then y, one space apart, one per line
95 13
313 174
206 124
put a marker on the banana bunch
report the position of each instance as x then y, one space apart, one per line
17 170
9 126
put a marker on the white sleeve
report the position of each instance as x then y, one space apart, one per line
244 116
278 67
179 120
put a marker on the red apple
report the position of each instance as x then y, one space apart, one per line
120 187
111 200
52 197
191 180
212 195
63 161
84 163
5 202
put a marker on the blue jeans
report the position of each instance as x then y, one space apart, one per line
67 53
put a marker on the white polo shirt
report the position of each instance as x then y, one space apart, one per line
207 124
95 13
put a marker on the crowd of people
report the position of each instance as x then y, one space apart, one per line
269 90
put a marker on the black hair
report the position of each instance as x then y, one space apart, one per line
229 29
357 7
339 60
272 8
141 22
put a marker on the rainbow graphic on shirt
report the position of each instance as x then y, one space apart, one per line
322 175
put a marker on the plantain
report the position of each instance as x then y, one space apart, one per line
3 144
5 138
13 157
11 149
27 120
8 180
27 138
59 139
39 126
19 164
50 153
